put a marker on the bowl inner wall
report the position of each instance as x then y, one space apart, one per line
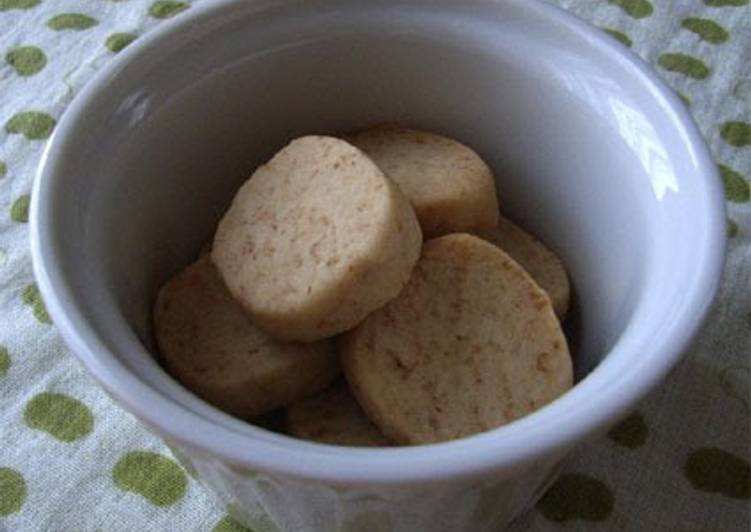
190 126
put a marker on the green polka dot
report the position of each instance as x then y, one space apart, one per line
576 496
684 64
32 298
707 30
736 187
632 432
71 21
118 41
619 36
6 5
27 60
63 417
4 361
732 228
726 3
227 524
19 211
156 478
166 8
634 8
12 491
716 471
736 133
369 522
34 125
3 169
184 461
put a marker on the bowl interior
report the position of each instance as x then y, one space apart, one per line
585 151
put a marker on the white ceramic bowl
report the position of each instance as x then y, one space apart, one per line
591 151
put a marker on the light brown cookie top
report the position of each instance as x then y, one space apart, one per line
315 240
448 184
333 416
210 345
543 265
470 344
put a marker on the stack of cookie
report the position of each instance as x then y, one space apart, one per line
382 257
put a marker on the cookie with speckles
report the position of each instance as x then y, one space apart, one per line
211 346
333 416
315 240
543 265
448 184
470 344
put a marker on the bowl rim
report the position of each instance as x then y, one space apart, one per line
503 449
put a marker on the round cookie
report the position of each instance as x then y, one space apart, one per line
543 265
315 240
332 416
450 187
470 344
209 344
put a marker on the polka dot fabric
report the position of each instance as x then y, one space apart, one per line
71 460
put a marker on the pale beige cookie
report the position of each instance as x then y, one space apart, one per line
543 265
470 344
209 344
333 416
315 240
450 187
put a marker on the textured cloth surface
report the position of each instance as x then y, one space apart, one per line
71 460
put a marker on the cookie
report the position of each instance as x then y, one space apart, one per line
315 240
470 344
211 346
543 265
448 184
333 416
